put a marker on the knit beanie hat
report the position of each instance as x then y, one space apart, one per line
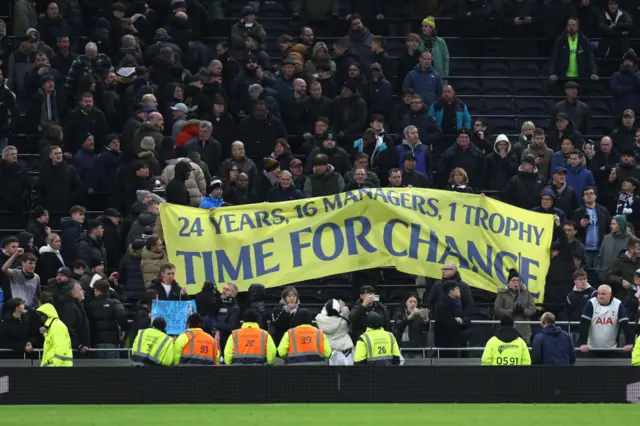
430 21
148 144
622 221
513 274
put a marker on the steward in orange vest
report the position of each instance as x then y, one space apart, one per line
304 344
194 346
250 344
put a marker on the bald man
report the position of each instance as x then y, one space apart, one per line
602 319
299 89
553 345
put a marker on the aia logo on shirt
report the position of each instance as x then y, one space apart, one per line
604 321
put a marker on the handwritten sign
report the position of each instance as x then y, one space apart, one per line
174 312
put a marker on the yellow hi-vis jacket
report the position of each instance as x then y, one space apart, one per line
57 343
152 347
506 348
378 347
635 356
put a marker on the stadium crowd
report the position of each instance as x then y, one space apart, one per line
127 105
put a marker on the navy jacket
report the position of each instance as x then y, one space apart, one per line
553 346
625 88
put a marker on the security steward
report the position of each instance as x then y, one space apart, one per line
57 343
304 344
152 346
195 346
506 347
250 344
376 346
635 355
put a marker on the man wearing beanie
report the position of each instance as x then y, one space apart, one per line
240 31
268 177
613 244
515 301
625 85
45 108
38 227
429 41
523 190
349 111
324 180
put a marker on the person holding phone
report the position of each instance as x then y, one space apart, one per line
369 302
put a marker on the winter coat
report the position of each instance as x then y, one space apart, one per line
328 183
278 194
25 17
107 318
381 156
604 221
72 314
360 44
553 346
506 301
57 342
415 178
523 190
565 200
91 250
130 270
348 115
427 83
623 268
150 264
358 318
259 136
196 183
336 328
429 131
579 178
79 123
612 245
463 119
85 164
338 158
417 329
544 167
500 170
239 33
69 236
147 129
470 160
559 61
431 300
576 301
447 332
380 97
15 187
174 292
559 280
49 261
579 113
440 54
625 89
142 228
209 150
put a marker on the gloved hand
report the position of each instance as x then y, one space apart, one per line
424 313
518 309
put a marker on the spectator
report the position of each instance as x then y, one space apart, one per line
380 92
177 192
214 200
552 346
178 114
507 347
459 181
603 318
153 257
625 85
418 115
541 154
334 322
411 144
566 198
107 319
96 64
410 325
408 59
238 157
50 260
613 244
624 136
429 41
52 25
131 272
228 316
562 65
143 226
209 148
152 128
578 111
257 295
410 175
464 155
615 25
84 161
450 113
240 31
107 165
449 273
627 168
348 111
90 247
64 57
57 344
21 62
282 315
165 283
450 322
241 193
324 180
260 131
579 296
46 107
547 200
15 184
72 314
71 230
282 153
85 119
578 177
369 302
624 265
515 301
359 40
361 161
424 79
524 139
15 332
592 221
23 282
502 163
314 107
285 190
564 130
629 201
524 188
395 178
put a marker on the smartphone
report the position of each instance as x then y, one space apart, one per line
376 298
586 216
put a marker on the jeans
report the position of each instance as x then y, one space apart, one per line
106 354
593 260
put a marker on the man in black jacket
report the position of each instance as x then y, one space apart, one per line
260 131
369 302
72 314
38 227
450 322
313 107
348 111
107 318
449 273
90 248
228 318
85 118
559 63
591 215
176 191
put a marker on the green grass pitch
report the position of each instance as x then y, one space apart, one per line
319 414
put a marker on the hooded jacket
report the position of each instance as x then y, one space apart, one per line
147 129
613 244
553 209
579 178
500 170
523 190
427 83
553 346
49 261
142 228
422 153
91 250
328 183
57 344
195 183
576 301
336 328
439 52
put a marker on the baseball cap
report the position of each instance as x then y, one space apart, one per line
629 113
559 170
180 107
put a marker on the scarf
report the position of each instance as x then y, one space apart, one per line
286 307
457 307
625 203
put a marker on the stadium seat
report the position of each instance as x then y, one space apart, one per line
496 87
502 106
532 106
493 69
467 87
527 88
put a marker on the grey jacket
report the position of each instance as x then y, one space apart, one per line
506 301
612 245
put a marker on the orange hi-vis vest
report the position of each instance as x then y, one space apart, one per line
306 345
250 346
202 349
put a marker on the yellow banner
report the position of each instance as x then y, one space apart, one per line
415 230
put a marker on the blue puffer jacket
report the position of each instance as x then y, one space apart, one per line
463 118
427 83
625 88
553 346
579 178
